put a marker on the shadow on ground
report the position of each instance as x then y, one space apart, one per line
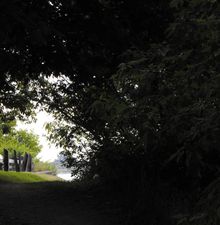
56 203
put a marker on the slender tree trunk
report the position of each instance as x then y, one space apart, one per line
29 163
5 160
16 161
24 164
19 161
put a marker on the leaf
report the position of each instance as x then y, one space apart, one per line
176 3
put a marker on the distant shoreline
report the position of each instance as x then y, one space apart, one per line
64 175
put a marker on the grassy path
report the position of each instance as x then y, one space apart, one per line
53 203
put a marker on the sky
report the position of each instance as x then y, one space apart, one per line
49 151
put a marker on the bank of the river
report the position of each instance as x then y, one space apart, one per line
65 176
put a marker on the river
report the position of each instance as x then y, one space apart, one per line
65 176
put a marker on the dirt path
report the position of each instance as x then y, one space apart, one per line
52 204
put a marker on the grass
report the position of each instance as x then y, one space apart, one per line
25 177
48 177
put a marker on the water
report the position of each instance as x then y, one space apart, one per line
65 176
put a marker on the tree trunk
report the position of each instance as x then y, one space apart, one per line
29 163
5 160
24 164
19 162
16 161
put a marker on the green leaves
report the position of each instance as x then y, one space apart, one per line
177 3
21 141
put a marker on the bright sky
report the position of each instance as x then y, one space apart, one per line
49 151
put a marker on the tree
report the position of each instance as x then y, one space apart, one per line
160 106
21 140
73 99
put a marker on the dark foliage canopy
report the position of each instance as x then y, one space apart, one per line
139 80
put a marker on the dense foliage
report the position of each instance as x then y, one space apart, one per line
134 87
